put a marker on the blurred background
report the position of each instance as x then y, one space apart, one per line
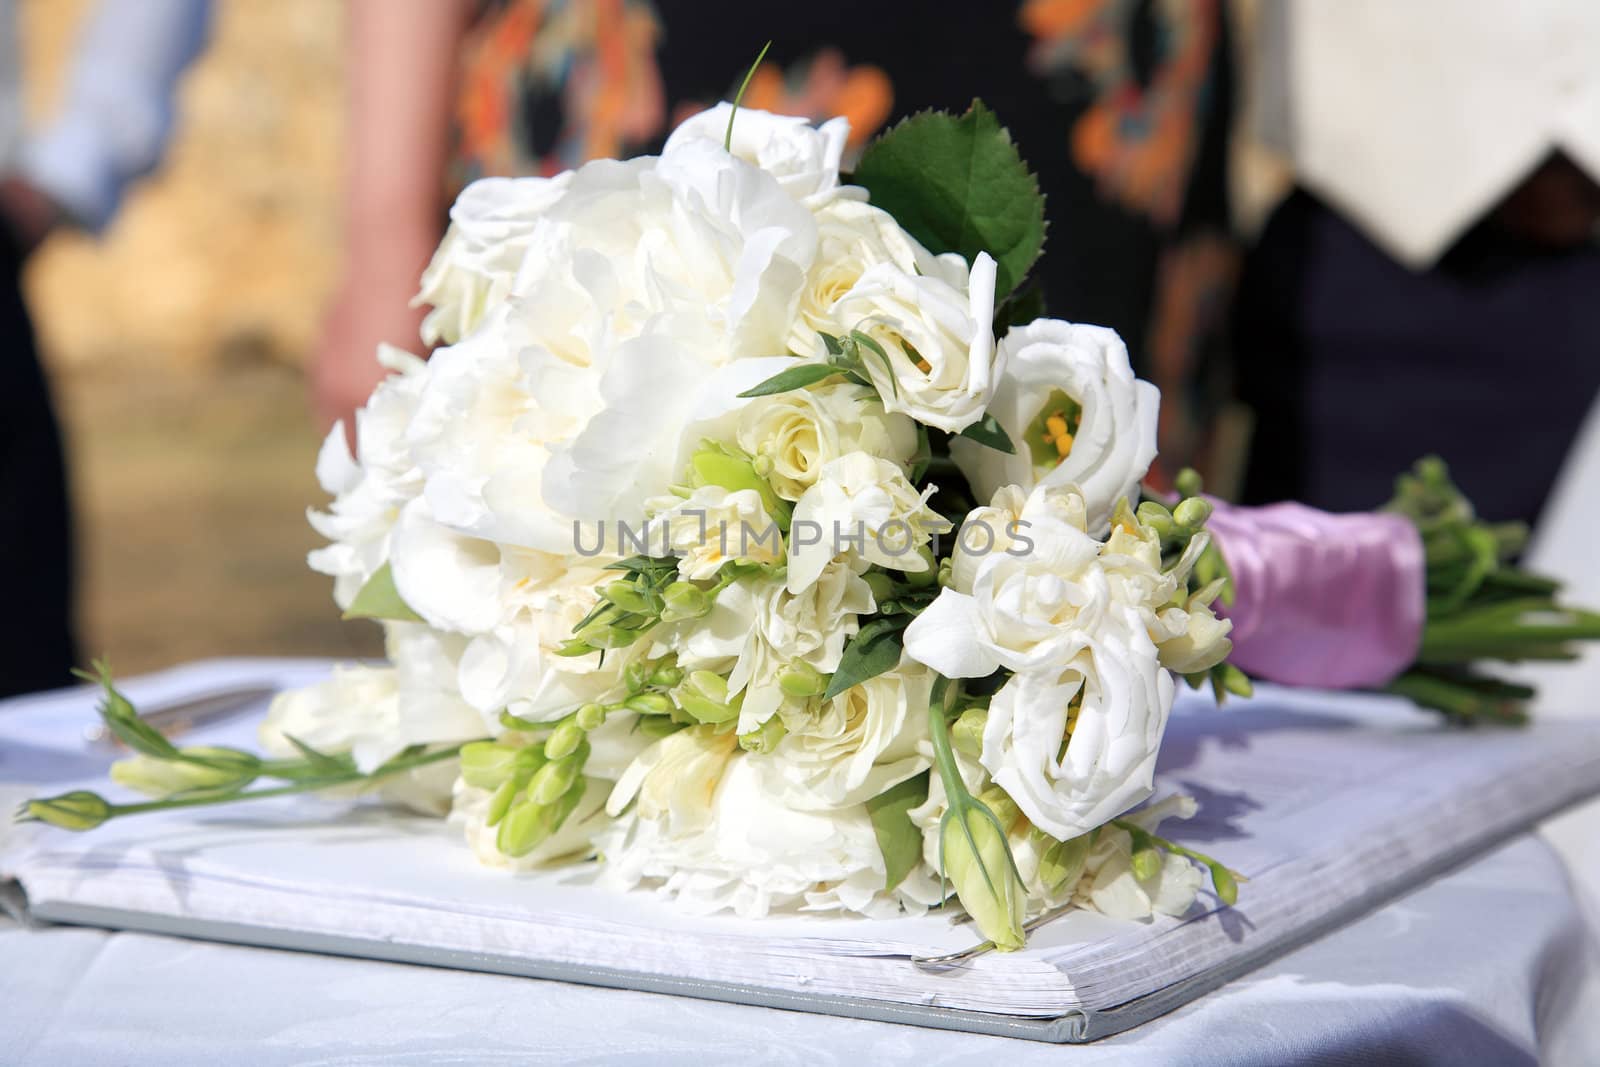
176 344
1336 236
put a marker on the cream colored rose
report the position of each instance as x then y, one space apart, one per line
938 339
802 431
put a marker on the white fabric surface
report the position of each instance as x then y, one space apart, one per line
117 109
1414 118
1490 964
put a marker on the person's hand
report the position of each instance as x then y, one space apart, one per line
344 367
27 212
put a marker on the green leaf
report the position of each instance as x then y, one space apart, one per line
922 456
898 837
957 184
874 649
379 599
988 432
793 378
321 764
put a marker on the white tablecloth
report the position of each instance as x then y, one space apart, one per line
1491 964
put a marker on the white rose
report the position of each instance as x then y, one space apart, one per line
852 238
359 711
490 226
1034 603
803 158
804 430
1108 764
864 509
715 526
867 739
938 339
1068 400
370 491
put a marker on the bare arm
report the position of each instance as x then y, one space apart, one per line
401 81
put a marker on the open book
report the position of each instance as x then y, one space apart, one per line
1329 804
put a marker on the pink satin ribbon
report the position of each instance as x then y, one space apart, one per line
1331 601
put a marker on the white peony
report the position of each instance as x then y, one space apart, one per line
864 509
802 431
491 224
1068 400
359 711
371 487
939 340
741 848
803 158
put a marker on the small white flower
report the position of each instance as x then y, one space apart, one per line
862 508
1112 888
939 341
1068 400
714 526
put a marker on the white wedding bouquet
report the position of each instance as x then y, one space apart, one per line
750 534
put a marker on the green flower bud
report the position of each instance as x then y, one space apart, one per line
765 737
563 740
703 695
507 791
1224 882
1155 516
602 634
590 717
658 726
728 467
556 777
977 859
761 464
574 647
1147 863
1005 809
162 778
635 675
666 675
801 680
1187 483
684 600
78 810
1192 513
967 733
629 597
649 704
946 573
1062 863
485 764
1233 679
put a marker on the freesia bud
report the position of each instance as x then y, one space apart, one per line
666 675
649 704
765 737
929 575
485 764
556 777
967 733
1147 863
881 584
590 717
684 600
563 740
1188 482
977 860
801 680
1153 515
1062 863
162 778
78 810
635 675
628 597
703 695
1223 881
1192 513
